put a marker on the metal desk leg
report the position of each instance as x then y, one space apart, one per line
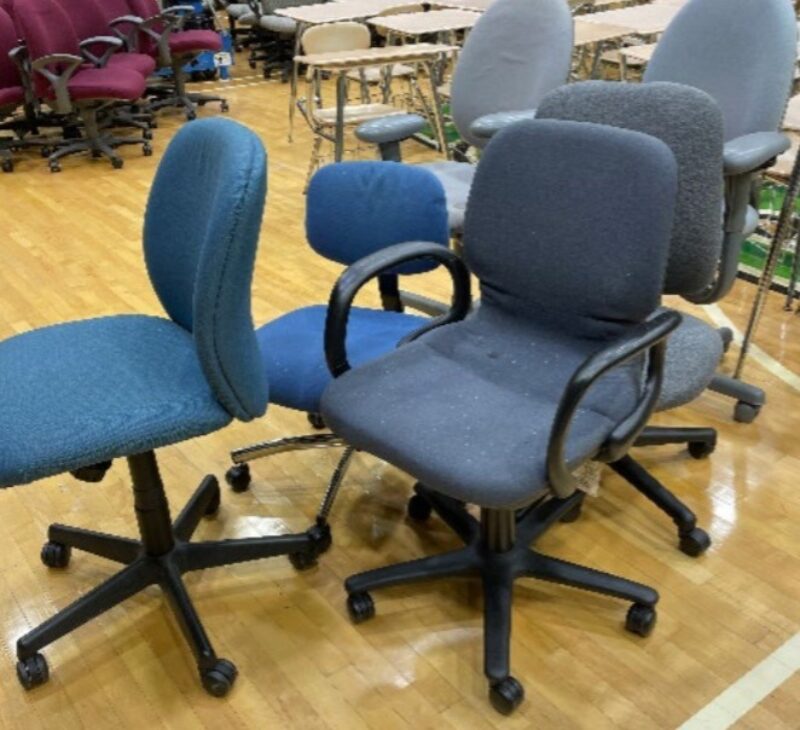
782 231
791 289
341 101
437 110
295 72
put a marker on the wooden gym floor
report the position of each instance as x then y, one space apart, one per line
71 249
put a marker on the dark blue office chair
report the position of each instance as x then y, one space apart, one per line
81 394
354 209
547 374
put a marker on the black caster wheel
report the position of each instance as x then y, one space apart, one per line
695 542
55 554
701 449
640 619
8 165
117 163
506 695
419 508
55 167
252 65
96 154
201 103
93 473
32 672
224 108
321 538
316 421
361 607
191 115
45 151
303 561
147 134
573 514
726 335
745 412
238 477
213 506
153 124
284 77
218 680
147 150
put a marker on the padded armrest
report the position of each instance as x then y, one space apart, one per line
112 43
358 274
753 152
131 37
488 125
394 128
647 337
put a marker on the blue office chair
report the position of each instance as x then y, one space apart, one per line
354 209
83 393
547 374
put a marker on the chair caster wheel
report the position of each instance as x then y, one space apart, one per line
745 412
8 165
93 473
361 607
218 680
238 477
726 335
506 695
640 619
191 115
147 150
700 449
321 539
695 542
55 554
147 134
316 421
32 672
252 65
117 163
213 505
573 514
55 167
419 509
303 561
45 151
224 108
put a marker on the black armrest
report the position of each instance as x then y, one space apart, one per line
488 125
112 45
650 337
177 14
381 262
131 38
70 63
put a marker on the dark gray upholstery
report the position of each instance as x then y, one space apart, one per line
690 122
738 51
468 408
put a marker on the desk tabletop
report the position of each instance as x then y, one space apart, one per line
639 53
478 6
340 60
337 12
641 19
434 21
791 119
597 32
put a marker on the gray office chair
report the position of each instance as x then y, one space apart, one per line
517 52
547 374
742 53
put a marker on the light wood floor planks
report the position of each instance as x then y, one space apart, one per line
70 248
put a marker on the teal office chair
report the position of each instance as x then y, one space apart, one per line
80 394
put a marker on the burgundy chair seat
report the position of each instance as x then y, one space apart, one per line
139 62
11 96
194 41
106 83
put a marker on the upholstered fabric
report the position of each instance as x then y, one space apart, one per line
85 392
9 74
278 24
104 83
11 96
694 350
741 52
237 10
194 41
690 122
456 179
468 408
293 352
138 62
517 52
356 208
200 234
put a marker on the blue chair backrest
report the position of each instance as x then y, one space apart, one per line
740 52
586 254
356 208
200 238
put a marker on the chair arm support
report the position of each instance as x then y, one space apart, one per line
488 125
752 152
59 82
394 128
130 38
357 275
112 45
648 337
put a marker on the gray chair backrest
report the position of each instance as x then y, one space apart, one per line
586 253
517 52
741 52
690 123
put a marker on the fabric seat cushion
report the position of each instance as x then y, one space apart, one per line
105 83
694 351
293 351
278 24
11 96
85 392
237 10
456 179
471 407
194 41
141 63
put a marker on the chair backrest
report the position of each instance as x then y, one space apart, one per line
146 9
201 232
9 73
690 123
741 52
586 253
517 52
86 16
356 208
332 37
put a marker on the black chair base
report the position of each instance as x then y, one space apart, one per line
160 557
497 549
178 97
700 442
